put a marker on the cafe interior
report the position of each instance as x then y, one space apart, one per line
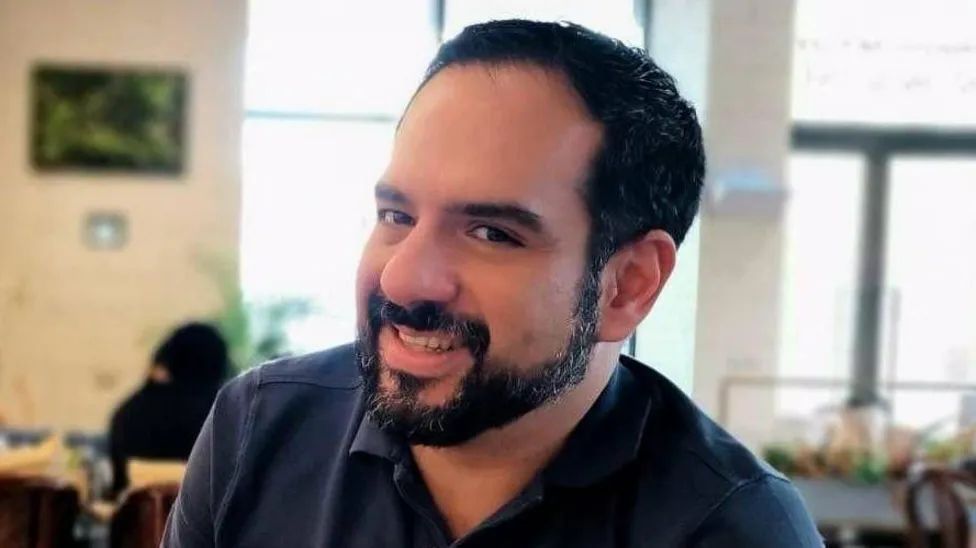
211 162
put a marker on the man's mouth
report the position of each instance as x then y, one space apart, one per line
429 341
423 354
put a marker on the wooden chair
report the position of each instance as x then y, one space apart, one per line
37 513
950 506
141 517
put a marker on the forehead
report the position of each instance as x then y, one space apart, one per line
508 132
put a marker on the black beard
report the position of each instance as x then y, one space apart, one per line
488 397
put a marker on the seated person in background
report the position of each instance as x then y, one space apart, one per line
161 420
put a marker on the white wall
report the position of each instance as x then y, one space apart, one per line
76 325
732 60
747 129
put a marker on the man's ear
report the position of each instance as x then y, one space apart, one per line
631 283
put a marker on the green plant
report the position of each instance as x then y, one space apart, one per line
869 469
799 461
781 458
255 331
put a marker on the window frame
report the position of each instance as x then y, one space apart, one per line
878 146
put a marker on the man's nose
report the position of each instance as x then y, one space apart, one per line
419 270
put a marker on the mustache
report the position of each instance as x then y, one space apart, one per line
471 332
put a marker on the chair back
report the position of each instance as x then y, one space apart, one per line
141 517
953 517
37 513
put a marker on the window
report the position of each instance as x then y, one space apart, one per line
893 97
929 318
615 18
307 213
338 58
894 70
822 227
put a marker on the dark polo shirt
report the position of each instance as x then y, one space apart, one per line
287 459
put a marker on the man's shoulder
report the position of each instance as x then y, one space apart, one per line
289 384
335 368
681 435
766 512
693 465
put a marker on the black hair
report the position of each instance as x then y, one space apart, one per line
194 353
650 169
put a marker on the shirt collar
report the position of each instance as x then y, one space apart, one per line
609 435
607 438
373 441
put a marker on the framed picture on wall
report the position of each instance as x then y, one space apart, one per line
108 119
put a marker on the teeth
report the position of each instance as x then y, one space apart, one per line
432 344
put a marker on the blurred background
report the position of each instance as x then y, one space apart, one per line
213 161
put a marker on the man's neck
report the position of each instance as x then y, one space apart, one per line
470 482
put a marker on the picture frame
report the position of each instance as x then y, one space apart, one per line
115 119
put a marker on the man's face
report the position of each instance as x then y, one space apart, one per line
475 303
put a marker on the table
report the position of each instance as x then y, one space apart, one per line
846 511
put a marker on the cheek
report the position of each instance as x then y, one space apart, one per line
530 317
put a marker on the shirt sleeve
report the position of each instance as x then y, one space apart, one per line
212 469
764 513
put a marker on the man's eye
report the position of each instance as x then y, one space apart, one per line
494 235
394 217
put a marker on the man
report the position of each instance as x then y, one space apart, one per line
540 181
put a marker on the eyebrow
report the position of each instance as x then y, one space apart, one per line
388 193
507 211
503 211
